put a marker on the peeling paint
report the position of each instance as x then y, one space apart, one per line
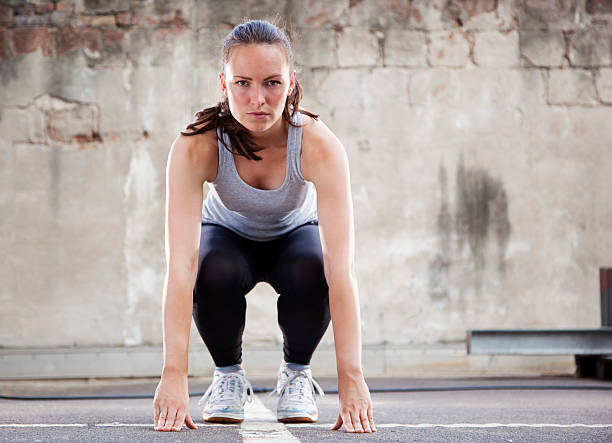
439 266
142 205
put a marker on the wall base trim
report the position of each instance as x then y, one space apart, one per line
429 360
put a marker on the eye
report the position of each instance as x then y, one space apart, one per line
241 82
273 83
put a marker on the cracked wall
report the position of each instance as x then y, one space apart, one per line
478 135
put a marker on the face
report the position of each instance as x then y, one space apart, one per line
256 83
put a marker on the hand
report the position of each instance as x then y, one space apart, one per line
171 404
355 405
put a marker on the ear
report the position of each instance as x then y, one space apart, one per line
291 83
222 83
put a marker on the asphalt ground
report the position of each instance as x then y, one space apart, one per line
550 409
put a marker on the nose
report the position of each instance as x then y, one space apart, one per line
258 96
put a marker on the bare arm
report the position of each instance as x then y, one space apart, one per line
328 169
189 165
183 211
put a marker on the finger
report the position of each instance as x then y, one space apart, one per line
338 423
170 419
356 422
371 419
365 423
161 418
189 422
348 424
156 417
179 420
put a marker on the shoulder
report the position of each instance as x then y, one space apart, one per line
320 147
200 151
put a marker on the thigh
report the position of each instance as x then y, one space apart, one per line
225 260
299 261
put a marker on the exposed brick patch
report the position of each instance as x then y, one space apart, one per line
177 19
123 19
26 40
115 44
462 10
32 20
25 9
6 14
108 6
44 7
69 39
598 7
25 12
114 35
3 50
316 13
98 20
67 121
161 34
429 14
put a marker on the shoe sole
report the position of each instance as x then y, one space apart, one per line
222 418
299 419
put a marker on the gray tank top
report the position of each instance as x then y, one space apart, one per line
259 214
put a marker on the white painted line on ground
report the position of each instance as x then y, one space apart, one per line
463 425
263 426
43 425
116 424
495 425
260 424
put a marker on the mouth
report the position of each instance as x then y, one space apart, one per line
258 113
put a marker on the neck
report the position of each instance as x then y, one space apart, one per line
276 135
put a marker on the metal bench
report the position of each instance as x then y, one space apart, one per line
592 348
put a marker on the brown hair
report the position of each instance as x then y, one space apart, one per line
251 32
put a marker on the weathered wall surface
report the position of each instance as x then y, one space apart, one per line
478 132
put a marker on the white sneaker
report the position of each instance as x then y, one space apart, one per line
225 398
296 389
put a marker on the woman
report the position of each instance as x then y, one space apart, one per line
278 179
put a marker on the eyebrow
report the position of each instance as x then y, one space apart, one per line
267 78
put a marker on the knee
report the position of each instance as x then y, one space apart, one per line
222 272
306 274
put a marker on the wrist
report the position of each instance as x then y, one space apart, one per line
350 372
170 371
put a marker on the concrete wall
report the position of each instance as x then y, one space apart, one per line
478 132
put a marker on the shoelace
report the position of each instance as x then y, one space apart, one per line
297 382
224 390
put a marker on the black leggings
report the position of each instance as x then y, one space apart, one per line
230 265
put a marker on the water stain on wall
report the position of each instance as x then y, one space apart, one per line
481 209
480 213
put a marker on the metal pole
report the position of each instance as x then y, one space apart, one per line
605 279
